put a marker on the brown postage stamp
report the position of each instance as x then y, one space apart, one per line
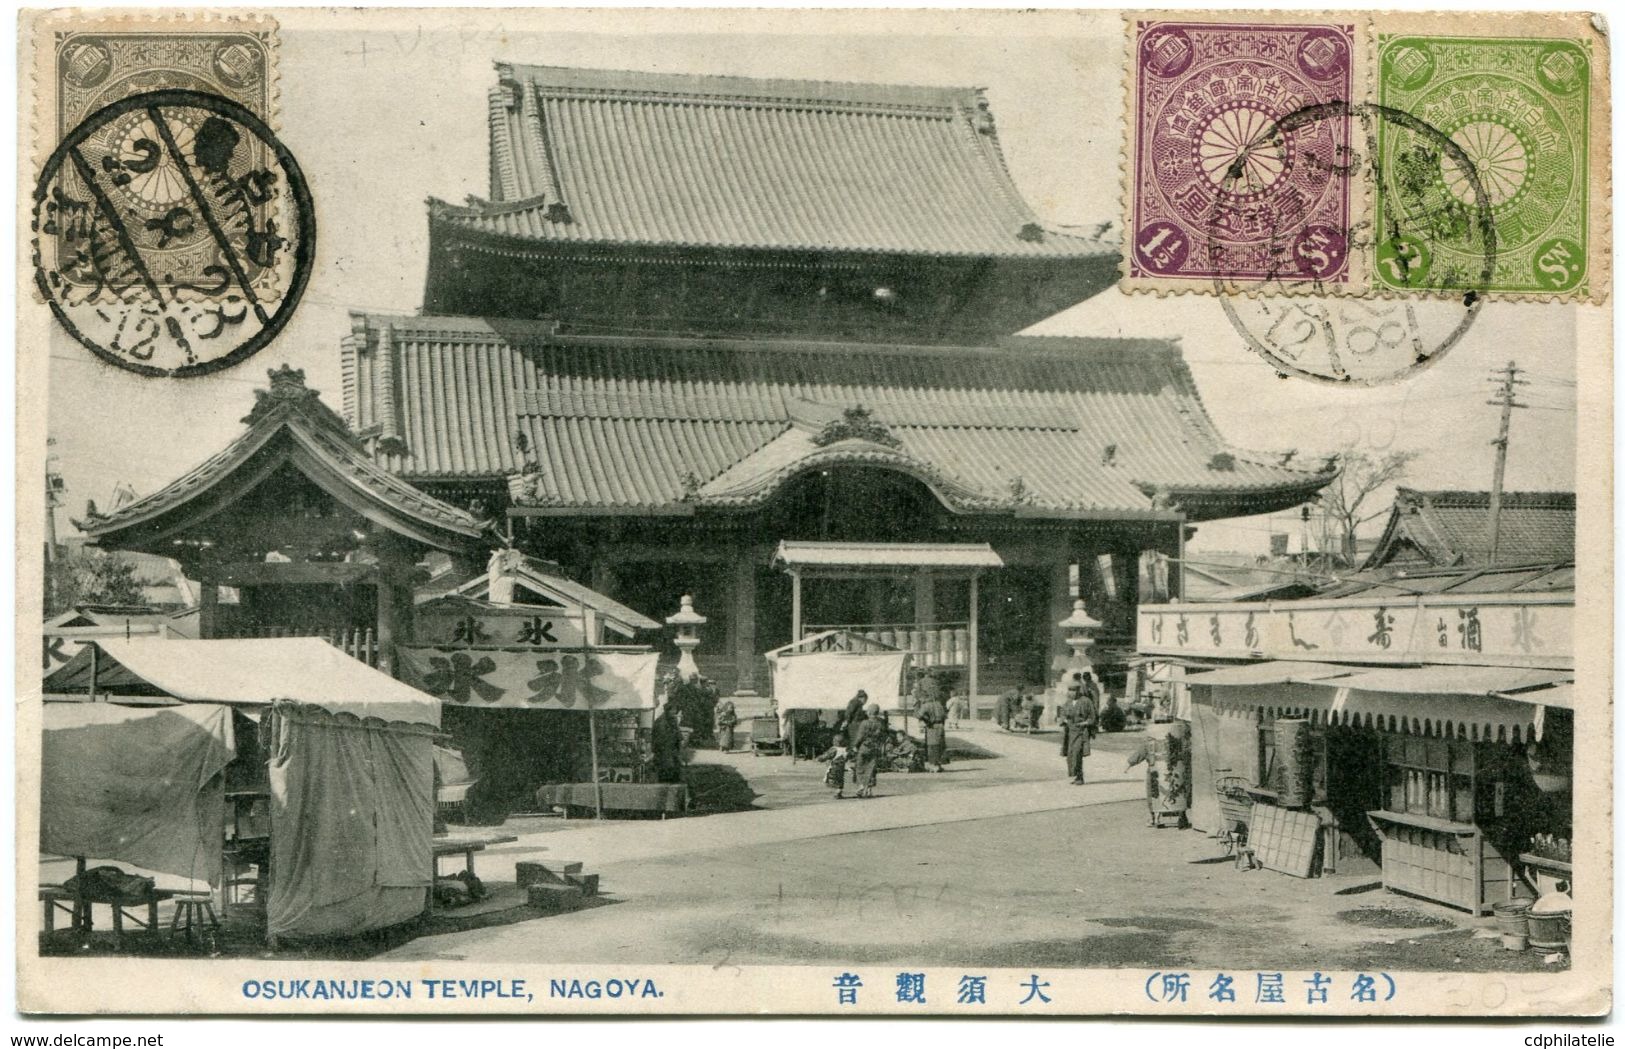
173 234
708 530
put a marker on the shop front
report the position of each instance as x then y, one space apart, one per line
1441 774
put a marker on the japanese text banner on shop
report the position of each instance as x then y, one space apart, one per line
1493 631
532 679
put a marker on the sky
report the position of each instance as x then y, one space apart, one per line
383 117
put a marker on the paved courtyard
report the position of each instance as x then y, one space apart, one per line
998 863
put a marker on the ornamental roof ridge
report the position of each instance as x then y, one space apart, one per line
707 89
290 408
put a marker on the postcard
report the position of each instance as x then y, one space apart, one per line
939 513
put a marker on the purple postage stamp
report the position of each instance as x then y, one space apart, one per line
1220 189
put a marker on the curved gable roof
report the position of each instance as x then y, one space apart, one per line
288 424
614 424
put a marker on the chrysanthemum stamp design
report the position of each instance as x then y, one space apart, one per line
1219 188
1519 110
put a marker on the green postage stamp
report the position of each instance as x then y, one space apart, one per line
1518 109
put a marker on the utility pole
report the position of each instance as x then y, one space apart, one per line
55 486
1506 399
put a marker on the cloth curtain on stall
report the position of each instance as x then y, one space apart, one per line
136 785
352 818
829 680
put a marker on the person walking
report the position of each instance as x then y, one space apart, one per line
726 718
868 745
958 710
855 716
1009 703
1080 715
666 740
933 723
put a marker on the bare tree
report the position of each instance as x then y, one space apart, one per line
1346 502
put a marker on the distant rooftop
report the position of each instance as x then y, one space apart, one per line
1446 528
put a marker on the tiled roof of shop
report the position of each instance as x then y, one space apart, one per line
1045 427
290 422
613 157
1453 528
1517 579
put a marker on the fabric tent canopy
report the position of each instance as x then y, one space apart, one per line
136 785
1462 701
1442 680
249 672
351 767
829 680
1275 672
1559 696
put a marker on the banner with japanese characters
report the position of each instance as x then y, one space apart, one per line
531 679
468 623
1479 629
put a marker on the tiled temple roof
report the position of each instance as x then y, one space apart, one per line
612 157
290 422
623 424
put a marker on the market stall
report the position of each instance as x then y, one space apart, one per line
137 786
350 769
815 679
612 689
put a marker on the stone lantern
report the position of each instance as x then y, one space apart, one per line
687 623
1079 628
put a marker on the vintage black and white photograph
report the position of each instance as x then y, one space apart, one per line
952 513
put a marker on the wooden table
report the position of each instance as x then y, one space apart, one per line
79 909
468 845
664 798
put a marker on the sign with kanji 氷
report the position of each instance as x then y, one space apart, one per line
1475 629
531 679
470 623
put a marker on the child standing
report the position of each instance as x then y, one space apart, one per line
836 755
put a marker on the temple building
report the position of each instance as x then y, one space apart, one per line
700 318
750 340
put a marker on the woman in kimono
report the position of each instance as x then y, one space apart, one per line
726 718
933 721
868 746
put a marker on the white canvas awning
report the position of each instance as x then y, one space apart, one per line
829 680
1559 696
1273 672
1481 703
252 672
1442 680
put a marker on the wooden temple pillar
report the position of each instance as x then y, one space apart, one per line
389 622
925 599
743 620
208 610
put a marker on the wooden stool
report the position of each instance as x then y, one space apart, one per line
191 913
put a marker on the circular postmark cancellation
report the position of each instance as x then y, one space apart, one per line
172 233
1295 318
